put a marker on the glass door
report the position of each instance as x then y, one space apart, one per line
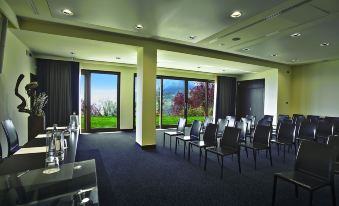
196 101
100 101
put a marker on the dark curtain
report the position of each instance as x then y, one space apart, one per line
60 81
226 94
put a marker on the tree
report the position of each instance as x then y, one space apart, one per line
178 104
109 108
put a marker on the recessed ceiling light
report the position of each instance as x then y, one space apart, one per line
72 53
295 35
117 58
192 37
236 14
236 39
294 60
199 67
274 55
325 44
139 26
245 49
67 12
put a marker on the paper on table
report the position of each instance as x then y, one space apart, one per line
43 135
58 128
30 150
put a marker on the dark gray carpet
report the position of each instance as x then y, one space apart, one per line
128 175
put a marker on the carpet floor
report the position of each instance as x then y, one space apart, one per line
128 175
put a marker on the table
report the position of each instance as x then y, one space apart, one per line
23 162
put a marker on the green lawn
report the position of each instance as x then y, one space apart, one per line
111 122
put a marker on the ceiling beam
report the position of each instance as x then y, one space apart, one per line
105 36
7 11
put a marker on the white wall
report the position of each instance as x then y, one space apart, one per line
16 62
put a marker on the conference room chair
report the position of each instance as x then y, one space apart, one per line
307 131
313 118
334 142
261 141
194 135
11 136
324 130
209 140
253 122
242 126
335 121
231 121
228 146
180 131
268 118
265 122
282 118
298 119
207 121
285 137
222 123
314 169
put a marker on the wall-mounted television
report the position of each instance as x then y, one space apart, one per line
3 31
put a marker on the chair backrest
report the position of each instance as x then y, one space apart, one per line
181 125
222 123
316 159
11 135
325 128
282 117
248 123
252 118
207 121
335 121
265 122
307 130
298 118
210 135
268 118
287 132
313 118
242 126
230 139
231 121
262 134
334 142
195 130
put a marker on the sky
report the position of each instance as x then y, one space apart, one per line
103 87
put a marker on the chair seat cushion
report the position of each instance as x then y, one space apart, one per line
282 141
303 179
174 133
198 143
185 138
222 151
254 145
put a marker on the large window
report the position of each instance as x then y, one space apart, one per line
180 97
99 100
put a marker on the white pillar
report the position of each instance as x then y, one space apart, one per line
145 111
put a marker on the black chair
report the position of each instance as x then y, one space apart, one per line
298 119
314 169
252 118
268 118
265 122
313 118
228 146
261 141
194 135
324 130
307 131
334 142
335 122
207 121
248 123
209 140
231 121
242 126
222 123
12 136
180 131
286 136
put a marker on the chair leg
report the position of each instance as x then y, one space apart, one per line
222 167
255 158
270 151
185 149
295 148
200 155
296 191
246 151
176 144
274 190
164 141
239 162
278 148
311 198
170 142
205 160
334 201
284 152
189 151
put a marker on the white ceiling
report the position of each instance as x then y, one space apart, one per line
264 27
61 46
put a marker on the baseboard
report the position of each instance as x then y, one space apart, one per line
127 130
146 147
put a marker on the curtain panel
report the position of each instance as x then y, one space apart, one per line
60 81
226 95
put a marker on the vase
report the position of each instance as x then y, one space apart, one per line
36 125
